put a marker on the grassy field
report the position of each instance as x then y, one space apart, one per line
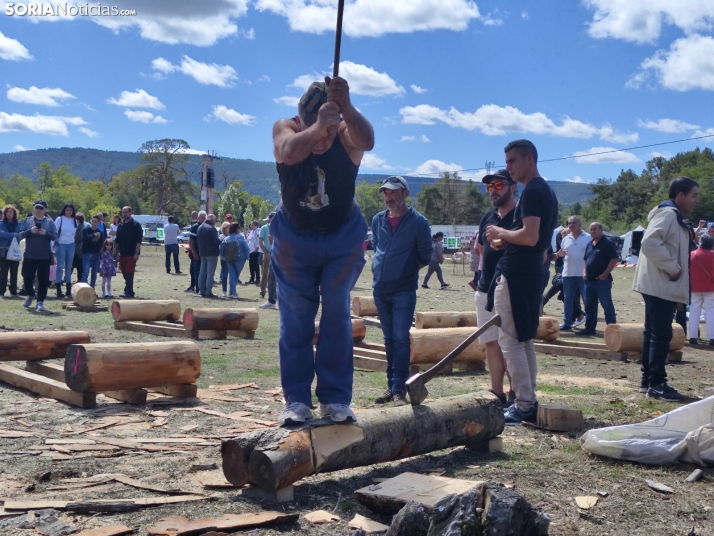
549 469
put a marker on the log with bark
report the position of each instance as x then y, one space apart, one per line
146 310
445 319
359 330
108 367
364 306
274 458
431 345
220 319
37 345
628 337
83 294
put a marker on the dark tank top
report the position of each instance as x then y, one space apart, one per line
318 193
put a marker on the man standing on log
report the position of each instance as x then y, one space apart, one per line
502 190
521 275
129 237
318 232
401 238
662 277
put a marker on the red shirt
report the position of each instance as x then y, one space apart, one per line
394 222
701 263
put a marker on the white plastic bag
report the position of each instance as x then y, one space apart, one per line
13 252
683 435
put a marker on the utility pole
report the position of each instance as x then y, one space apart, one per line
488 165
208 182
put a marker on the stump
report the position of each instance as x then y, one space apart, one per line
220 319
431 345
448 319
37 345
110 367
83 295
359 330
146 310
548 328
559 418
364 306
628 337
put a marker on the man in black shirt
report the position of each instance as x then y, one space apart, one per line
502 190
521 275
129 237
600 259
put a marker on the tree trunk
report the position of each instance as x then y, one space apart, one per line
36 345
146 310
431 345
220 319
359 330
83 295
364 306
110 367
548 328
628 337
446 320
280 457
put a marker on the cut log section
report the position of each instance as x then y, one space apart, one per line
110 367
37 345
220 319
628 337
364 306
83 295
146 310
559 418
45 387
431 345
548 328
447 319
275 458
359 330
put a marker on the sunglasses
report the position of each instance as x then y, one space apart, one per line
39 207
498 185
393 180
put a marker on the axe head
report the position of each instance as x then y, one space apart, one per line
417 390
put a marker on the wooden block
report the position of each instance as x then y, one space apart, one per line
46 387
559 418
478 366
137 397
153 328
369 352
578 344
371 346
492 446
574 351
423 367
282 495
370 363
47 369
675 356
186 390
96 308
241 334
204 334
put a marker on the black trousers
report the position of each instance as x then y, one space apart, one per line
172 249
79 265
8 268
657 334
254 266
194 270
41 269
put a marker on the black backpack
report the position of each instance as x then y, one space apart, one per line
231 252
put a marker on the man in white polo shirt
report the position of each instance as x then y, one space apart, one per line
572 251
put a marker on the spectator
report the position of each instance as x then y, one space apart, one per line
208 247
92 241
225 228
573 254
112 236
106 268
9 229
437 259
254 246
171 245
39 231
701 271
78 261
600 259
662 277
235 251
64 248
129 237
475 260
197 218
265 241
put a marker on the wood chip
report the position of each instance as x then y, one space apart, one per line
228 416
233 387
141 485
603 493
63 505
213 479
97 427
361 522
189 427
696 476
69 442
16 434
125 444
586 501
159 413
113 530
159 422
181 526
658 486
321 516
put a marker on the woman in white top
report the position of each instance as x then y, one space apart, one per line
64 248
113 237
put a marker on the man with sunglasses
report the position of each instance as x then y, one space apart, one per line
502 191
39 231
572 251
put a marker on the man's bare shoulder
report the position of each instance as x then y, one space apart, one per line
285 124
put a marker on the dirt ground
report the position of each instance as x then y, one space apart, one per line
549 469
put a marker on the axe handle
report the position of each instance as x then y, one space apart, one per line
338 38
433 371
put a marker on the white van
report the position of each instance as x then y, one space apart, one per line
153 226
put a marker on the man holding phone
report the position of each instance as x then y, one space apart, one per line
39 232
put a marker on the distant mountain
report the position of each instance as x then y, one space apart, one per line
259 178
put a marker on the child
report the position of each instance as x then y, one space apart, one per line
107 269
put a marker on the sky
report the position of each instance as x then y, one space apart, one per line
445 83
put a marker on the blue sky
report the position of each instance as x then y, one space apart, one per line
446 83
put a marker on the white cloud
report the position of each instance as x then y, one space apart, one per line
421 138
230 116
642 22
12 49
418 90
363 80
687 65
490 20
434 167
163 65
372 18
408 138
264 78
667 125
38 124
576 179
591 156
663 154
700 133
191 151
88 132
424 139
372 161
524 15
208 74
494 120
287 101
138 99
20 148
45 96
144 117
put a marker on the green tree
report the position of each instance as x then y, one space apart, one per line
162 174
234 200
20 192
248 216
369 200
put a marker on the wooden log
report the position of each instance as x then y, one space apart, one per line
110 367
359 330
146 310
83 294
220 319
379 435
431 345
45 387
364 306
559 418
37 345
548 328
628 337
448 319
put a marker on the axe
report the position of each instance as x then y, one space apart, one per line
338 38
416 385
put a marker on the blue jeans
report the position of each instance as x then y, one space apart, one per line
234 271
65 256
304 263
598 291
172 249
396 311
570 284
205 276
224 275
90 260
655 343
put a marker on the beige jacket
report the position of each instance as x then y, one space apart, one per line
663 266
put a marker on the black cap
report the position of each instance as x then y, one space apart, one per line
42 203
500 174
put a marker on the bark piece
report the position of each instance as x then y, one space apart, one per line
411 520
83 294
67 505
457 515
113 530
220 319
146 310
696 476
432 345
321 516
506 512
657 486
586 501
366 524
628 337
35 345
559 418
181 526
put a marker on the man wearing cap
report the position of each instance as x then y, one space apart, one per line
401 238
317 255
502 191
265 242
129 238
39 231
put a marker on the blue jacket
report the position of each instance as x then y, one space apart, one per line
8 231
397 257
243 249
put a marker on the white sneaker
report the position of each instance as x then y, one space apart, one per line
28 301
40 307
337 412
110 295
294 413
233 296
580 322
268 305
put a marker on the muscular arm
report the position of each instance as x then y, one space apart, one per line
292 146
357 131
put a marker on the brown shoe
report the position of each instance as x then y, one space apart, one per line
386 397
400 399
